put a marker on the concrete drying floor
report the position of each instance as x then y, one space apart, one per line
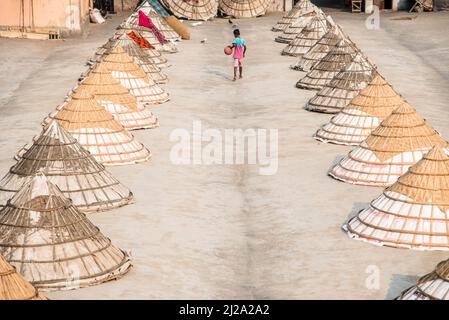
225 232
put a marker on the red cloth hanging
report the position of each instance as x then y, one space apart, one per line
145 21
140 41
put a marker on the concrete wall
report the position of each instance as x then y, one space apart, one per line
65 16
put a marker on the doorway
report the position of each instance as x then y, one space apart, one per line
388 5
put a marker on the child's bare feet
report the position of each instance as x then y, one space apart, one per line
241 77
235 79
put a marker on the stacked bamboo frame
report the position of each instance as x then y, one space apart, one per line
344 87
312 57
157 20
97 131
117 100
335 61
13 286
193 9
168 47
308 37
121 38
299 9
244 8
433 286
295 28
413 212
129 74
144 62
400 141
364 114
69 166
53 244
149 60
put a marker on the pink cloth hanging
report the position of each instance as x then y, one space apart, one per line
145 21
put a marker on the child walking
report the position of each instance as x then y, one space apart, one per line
239 46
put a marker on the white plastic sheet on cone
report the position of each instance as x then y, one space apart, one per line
144 90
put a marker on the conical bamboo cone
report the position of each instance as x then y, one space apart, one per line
66 164
193 9
433 286
148 34
335 61
308 37
122 38
157 20
300 8
147 59
295 27
413 212
152 70
133 78
98 132
344 87
312 57
54 245
244 8
14 286
364 114
117 100
400 141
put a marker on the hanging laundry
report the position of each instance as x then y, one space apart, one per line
145 21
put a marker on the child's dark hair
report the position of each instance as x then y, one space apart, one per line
236 32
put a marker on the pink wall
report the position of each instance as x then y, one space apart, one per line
43 15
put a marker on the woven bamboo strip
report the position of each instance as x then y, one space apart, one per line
14 286
148 34
344 87
335 61
157 20
121 38
413 212
312 57
244 8
98 132
69 166
52 244
193 9
433 286
123 68
364 114
117 100
308 37
179 27
150 65
299 9
400 141
295 27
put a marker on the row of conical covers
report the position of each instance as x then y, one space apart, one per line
46 240
395 147
207 9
